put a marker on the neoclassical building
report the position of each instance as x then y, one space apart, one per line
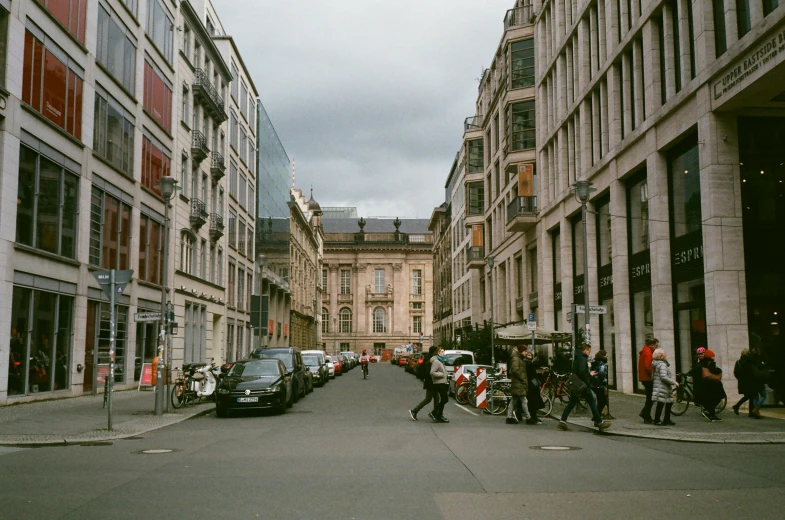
378 275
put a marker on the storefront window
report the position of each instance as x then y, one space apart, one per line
640 270
40 344
97 344
639 216
608 339
604 237
557 295
146 343
642 325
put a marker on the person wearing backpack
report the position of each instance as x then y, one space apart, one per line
424 374
751 373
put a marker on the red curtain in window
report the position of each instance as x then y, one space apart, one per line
157 98
153 267
109 239
154 165
70 13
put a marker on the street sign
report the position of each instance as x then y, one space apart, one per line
531 316
121 279
593 309
532 326
147 316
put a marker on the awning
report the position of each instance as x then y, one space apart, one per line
515 334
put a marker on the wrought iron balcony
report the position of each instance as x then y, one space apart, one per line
523 15
217 167
199 149
198 213
207 95
216 226
475 257
473 123
521 214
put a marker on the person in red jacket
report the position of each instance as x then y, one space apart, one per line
645 377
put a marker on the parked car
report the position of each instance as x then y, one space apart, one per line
456 358
373 359
318 369
293 360
254 384
338 364
466 370
402 360
411 364
322 357
346 361
330 367
350 357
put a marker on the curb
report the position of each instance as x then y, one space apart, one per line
85 438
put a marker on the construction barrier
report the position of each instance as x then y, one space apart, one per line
481 384
458 376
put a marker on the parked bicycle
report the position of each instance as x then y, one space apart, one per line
194 382
554 387
684 394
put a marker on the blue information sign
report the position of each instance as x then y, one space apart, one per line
531 316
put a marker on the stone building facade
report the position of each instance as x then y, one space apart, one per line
378 275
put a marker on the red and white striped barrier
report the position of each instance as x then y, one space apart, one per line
481 383
458 375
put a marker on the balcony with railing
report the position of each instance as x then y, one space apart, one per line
521 214
199 149
217 166
475 257
472 124
345 298
216 226
417 297
523 15
199 213
207 95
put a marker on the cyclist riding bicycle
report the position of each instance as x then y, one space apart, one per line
365 359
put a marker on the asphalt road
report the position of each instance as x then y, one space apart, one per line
350 451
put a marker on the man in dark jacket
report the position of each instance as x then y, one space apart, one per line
580 367
424 374
519 385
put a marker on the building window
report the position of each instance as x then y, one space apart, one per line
325 321
345 320
604 234
235 81
110 231
243 99
220 279
150 246
346 281
241 236
378 279
241 191
230 354
249 242
187 40
250 207
195 333
417 324
249 292
230 286
416 281
203 260
233 179
116 51
476 197
243 146
522 65
232 229
160 28
113 133
40 349
51 84
155 164
639 216
769 6
240 290
252 114
188 254
475 151
233 130
379 320
521 126
324 280
46 206
71 14
158 96
743 17
720 38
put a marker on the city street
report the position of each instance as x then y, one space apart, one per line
350 451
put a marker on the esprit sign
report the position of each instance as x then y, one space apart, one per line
761 59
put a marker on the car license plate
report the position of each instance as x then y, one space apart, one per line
247 399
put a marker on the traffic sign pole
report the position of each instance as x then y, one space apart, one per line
112 338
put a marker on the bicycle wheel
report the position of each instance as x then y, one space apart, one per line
497 402
178 395
721 405
462 394
547 408
681 401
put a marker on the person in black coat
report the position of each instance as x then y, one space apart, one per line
580 368
750 371
534 400
599 382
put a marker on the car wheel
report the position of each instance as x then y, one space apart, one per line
221 412
295 395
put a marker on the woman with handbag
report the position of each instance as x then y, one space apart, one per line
712 391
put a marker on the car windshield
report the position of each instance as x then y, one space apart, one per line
457 359
283 356
311 361
255 368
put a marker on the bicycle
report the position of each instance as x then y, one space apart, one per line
555 387
684 393
499 396
365 370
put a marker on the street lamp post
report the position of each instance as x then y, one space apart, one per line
489 261
168 185
583 189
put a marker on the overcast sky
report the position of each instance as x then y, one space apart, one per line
368 96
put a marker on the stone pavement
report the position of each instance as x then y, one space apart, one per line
690 427
83 419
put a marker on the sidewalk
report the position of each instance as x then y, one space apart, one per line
82 419
690 427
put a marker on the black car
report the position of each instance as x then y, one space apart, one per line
295 368
254 384
318 369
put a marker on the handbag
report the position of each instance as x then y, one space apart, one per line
707 374
575 385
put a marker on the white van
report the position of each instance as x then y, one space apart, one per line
457 358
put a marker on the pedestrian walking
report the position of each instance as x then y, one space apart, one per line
752 375
662 387
519 385
644 376
712 391
533 399
580 367
424 374
599 382
439 379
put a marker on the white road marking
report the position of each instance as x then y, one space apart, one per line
465 409
4 450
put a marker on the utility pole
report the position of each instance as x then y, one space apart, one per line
167 185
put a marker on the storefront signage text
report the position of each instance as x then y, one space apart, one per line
641 270
606 281
688 255
761 57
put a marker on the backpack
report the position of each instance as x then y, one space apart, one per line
424 369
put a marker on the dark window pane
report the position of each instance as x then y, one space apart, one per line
41 346
25 200
68 230
20 324
63 348
109 240
48 215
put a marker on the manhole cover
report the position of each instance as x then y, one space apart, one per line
154 452
554 448
96 443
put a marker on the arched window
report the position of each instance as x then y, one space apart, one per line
379 320
345 318
325 321
188 253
